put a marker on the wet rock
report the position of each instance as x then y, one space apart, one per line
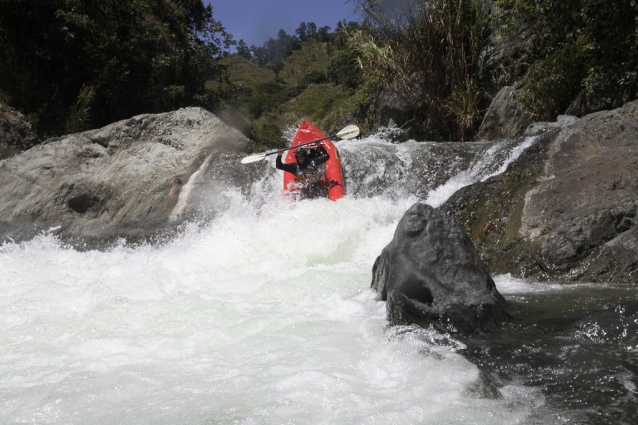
430 274
566 209
537 128
128 180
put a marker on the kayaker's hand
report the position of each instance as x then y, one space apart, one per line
280 152
317 145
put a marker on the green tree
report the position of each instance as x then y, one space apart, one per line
343 69
243 50
137 56
583 56
301 31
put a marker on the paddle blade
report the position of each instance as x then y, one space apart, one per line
349 132
253 158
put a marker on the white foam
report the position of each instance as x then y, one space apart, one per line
263 316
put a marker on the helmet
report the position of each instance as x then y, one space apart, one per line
301 152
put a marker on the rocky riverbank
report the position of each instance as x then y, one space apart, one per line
566 209
130 180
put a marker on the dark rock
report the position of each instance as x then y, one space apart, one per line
15 130
430 274
390 110
130 180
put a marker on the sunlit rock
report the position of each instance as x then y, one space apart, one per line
128 180
567 208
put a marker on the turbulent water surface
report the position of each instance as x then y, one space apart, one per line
264 315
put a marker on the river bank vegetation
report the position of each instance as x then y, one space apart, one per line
432 67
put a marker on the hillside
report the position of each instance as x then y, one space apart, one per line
263 103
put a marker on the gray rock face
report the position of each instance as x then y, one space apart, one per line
502 118
431 274
588 195
566 209
127 180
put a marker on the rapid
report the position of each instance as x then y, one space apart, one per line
264 315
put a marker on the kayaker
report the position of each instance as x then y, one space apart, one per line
307 169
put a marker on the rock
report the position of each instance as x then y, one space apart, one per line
503 118
130 180
15 130
430 274
536 128
392 111
566 209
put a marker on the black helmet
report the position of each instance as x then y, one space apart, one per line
301 152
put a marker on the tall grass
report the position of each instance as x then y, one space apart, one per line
428 52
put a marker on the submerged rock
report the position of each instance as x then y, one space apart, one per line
430 274
128 180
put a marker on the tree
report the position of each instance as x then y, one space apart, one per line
136 56
579 61
311 30
323 35
301 31
243 50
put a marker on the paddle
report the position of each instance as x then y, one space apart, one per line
349 132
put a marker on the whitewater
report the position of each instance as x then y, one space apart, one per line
262 315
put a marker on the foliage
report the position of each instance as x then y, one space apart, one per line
343 69
268 135
137 55
274 51
551 83
583 49
243 50
425 51
78 119
314 76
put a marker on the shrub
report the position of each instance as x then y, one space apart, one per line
426 53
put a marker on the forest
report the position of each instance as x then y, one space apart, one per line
92 63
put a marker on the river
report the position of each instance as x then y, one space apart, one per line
264 315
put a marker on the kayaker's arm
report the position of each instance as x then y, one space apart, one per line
291 168
320 155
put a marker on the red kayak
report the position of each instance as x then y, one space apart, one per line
333 177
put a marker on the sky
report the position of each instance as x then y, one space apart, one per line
255 21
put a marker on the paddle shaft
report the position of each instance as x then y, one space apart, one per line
301 144
348 132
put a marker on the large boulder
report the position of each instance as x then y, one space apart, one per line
430 274
129 180
503 118
566 209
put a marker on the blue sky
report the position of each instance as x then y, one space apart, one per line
257 20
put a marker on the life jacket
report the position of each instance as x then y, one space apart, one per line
310 174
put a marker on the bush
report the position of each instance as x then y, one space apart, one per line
551 84
425 54
343 69
313 77
584 49
268 136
